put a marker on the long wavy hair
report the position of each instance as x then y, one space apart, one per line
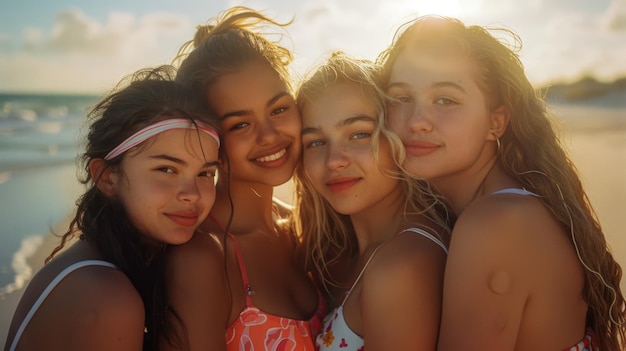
140 99
328 236
531 152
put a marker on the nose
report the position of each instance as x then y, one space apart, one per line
267 132
419 120
336 157
189 190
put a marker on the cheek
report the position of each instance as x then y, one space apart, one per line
395 118
208 194
313 165
234 145
293 126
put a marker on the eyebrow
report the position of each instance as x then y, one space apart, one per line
398 85
342 123
181 162
447 84
269 103
442 84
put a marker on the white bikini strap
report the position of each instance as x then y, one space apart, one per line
361 273
414 230
426 234
514 191
47 291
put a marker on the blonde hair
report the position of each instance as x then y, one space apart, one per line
531 153
328 236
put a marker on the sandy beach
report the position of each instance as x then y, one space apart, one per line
597 147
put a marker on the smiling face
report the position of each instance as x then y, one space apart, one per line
261 124
167 185
338 155
441 114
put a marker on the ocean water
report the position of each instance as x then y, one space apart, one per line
39 142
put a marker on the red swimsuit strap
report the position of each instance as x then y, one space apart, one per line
242 267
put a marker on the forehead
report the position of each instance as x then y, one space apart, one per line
255 83
426 64
338 102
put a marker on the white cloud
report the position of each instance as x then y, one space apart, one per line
615 16
79 54
73 31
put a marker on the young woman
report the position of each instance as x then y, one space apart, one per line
529 267
149 166
356 206
237 284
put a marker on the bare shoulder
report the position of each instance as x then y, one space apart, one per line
100 306
203 249
197 266
503 218
403 286
408 257
499 232
197 288
105 290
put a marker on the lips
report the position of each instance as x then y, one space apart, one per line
420 148
342 183
273 159
186 219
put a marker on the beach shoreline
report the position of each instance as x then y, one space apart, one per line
9 301
595 147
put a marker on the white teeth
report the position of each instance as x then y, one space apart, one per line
272 157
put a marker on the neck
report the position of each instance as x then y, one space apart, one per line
379 222
464 188
249 203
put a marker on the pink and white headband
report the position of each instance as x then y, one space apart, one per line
157 128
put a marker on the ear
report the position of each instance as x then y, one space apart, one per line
101 174
499 120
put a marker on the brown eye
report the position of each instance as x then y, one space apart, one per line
445 101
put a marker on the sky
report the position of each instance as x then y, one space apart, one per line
87 46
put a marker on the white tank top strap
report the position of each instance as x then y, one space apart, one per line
426 234
47 291
516 191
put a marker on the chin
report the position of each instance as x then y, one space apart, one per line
413 168
180 238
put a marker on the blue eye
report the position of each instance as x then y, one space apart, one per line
315 143
360 135
404 99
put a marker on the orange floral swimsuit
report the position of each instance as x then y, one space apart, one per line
255 330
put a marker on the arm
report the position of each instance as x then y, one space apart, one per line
485 285
198 292
401 296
